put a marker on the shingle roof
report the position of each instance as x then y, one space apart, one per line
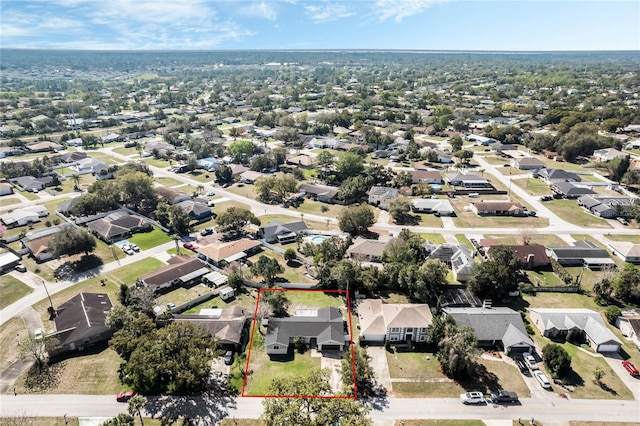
221 251
367 247
178 267
326 326
275 227
585 319
376 317
80 313
226 328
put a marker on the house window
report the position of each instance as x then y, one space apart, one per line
393 338
423 330
276 347
422 338
395 330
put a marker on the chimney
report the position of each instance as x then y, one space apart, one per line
486 304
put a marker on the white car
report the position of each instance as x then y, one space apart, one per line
542 379
530 361
37 334
128 250
134 247
472 398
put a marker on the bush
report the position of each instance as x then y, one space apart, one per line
557 360
612 313
560 271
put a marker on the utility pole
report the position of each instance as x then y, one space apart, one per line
51 309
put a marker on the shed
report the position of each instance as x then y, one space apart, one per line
226 293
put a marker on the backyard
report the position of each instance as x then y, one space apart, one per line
147 240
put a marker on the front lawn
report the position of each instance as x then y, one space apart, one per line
570 211
433 238
533 186
11 332
415 365
429 220
544 279
7 201
147 240
466 219
11 290
312 224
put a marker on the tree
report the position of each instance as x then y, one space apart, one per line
557 360
603 290
289 255
598 375
224 174
236 218
135 406
354 188
325 161
627 283
365 376
76 179
458 351
399 209
465 155
72 241
173 217
121 419
612 313
268 268
406 248
494 279
456 143
274 189
432 277
173 360
349 165
241 150
276 300
133 327
356 220
138 191
618 167
402 179
310 411
35 349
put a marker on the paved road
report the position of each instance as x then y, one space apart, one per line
557 411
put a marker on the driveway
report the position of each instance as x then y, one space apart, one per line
380 366
332 360
633 383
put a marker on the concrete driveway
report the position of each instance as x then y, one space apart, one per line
633 383
380 366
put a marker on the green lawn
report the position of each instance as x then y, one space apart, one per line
429 220
439 423
166 181
433 238
462 239
316 207
533 186
471 220
202 176
156 162
544 279
314 299
291 274
245 190
543 239
7 201
11 332
561 300
11 290
507 377
106 158
223 206
182 295
147 240
570 211
125 151
312 224
630 238
246 299
52 421
427 390
418 365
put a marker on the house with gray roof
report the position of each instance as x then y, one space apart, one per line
458 257
379 196
551 176
276 231
226 325
24 216
180 270
195 209
494 327
581 253
323 328
569 190
607 207
322 193
565 323
629 252
118 225
380 322
467 181
527 163
437 206
367 250
30 183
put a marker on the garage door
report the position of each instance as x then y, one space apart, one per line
330 348
608 348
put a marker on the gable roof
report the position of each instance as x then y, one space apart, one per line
557 174
275 227
224 324
363 246
498 206
182 268
117 224
523 251
220 251
325 324
81 313
579 250
585 319
325 190
569 188
383 191
171 195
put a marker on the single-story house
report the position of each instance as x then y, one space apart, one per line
532 256
497 208
366 250
581 253
607 154
225 325
322 193
172 196
118 225
43 146
24 216
222 253
380 322
438 206
180 270
30 183
195 209
570 190
80 322
5 188
379 196
323 328
324 142
629 252
8 261
37 242
426 176
209 164
607 207
561 323
88 165
163 149
302 161
551 176
494 327
458 257
629 325
282 232
467 181
527 163
238 169
250 176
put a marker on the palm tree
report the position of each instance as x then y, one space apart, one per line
76 178
136 404
200 188
176 238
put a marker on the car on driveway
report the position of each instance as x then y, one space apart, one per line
210 194
542 379
472 398
125 396
128 250
530 361
190 246
522 366
134 247
631 369
21 268
228 358
37 334
207 231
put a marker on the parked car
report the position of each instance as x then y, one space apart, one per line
228 358
546 198
542 379
128 250
210 194
531 213
522 366
472 398
21 268
207 231
190 246
171 305
504 396
622 220
210 203
125 395
134 247
37 334
530 361
630 368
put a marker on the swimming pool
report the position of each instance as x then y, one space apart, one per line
317 239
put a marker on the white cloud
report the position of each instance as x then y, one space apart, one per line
400 9
327 12
260 9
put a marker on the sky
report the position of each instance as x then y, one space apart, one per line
498 25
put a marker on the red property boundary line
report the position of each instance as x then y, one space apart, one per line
351 348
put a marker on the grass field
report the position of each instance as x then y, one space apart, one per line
166 181
428 220
533 186
439 423
8 201
242 422
11 290
516 238
43 421
245 190
316 207
11 332
433 238
291 274
544 279
314 299
471 220
462 239
147 240
630 238
570 211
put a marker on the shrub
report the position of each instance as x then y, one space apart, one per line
557 360
612 313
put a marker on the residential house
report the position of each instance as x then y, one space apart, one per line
607 154
283 233
118 225
8 261
172 196
37 242
606 207
569 324
81 322
301 161
209 164
5 188
532 256
88 165
629 325
322 193
467 181
426 176
499 327
195 209
181 270
225 325
220 254
238 169
43 146
366 250
581 253
32 184
527 163
380 322
551 176
497 208
24 216
437 206
324 142
479 139
629 252
250 176
458 257
159 148
323 328
379 196
570 190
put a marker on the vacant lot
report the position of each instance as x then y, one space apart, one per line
11 290
466 219
11 332
533 186
7 201
293 274
147 240
544 279
534 238
246 299
630 238
572 213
